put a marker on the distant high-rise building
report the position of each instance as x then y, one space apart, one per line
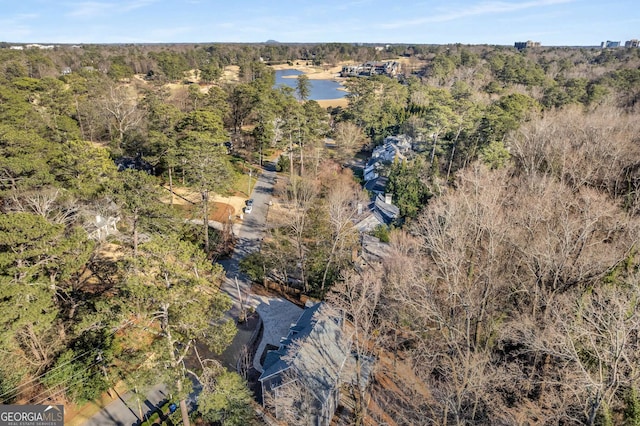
609 44
632 43
526 44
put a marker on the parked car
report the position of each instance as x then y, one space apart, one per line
249 206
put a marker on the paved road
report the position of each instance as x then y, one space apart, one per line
124 411
277 313
248 238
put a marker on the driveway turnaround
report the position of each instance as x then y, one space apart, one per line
277 316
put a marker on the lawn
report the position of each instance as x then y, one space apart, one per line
218 212
241 183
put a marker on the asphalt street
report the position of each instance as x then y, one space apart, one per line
125 411
248 238
277 313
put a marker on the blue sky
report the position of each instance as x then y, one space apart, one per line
552 22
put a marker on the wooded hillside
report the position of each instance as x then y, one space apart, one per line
511 292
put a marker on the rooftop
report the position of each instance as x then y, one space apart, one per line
315 347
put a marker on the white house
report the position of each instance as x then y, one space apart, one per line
394 147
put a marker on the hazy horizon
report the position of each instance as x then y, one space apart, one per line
550 22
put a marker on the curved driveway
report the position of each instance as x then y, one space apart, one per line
248 236
277 313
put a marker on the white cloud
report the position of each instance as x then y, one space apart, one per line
136 4
484 8
16 28
90 9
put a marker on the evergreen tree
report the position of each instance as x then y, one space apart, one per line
406 184
173 291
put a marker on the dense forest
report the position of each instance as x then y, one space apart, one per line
510 293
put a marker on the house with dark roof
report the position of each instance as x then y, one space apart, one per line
135 163
380 211
377 186
374 251
312 358
394 148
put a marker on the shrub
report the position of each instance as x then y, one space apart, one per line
253 266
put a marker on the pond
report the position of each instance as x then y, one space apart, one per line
320 89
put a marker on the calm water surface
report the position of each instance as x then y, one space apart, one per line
320 89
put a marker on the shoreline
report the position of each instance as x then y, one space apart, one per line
319 73
313 72
334 103
316 73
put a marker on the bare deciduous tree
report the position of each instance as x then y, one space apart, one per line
122 107
341 202
301 195
46 202
594 149
596 339
565 238
349 138
292 402
506 252
357 296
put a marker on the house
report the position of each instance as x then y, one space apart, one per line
372 252
389 68
393 148
311 359
609 44
380 211
102 227
135 163
377 185
520 45
40 46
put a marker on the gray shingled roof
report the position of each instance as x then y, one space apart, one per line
377 185
273 362
318 362
389 212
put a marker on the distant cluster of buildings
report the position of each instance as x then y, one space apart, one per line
520 45
388 68
33 46
39 46
614 44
